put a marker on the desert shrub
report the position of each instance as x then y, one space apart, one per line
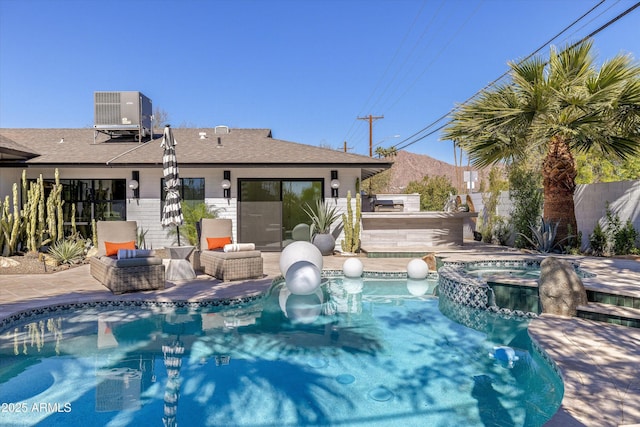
434 192
598 241
624 239
501 230
613 238
490 201
526 195
68 251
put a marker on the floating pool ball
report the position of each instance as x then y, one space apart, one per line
300 251
352 268
417 269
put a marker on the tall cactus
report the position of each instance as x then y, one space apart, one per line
39 222
351 241
30 214
56 194
3 223
10 225
94 232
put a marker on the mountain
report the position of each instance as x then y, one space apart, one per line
409 167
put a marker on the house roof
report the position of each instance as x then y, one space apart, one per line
237 148
11 150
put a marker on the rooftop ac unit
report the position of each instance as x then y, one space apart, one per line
123 113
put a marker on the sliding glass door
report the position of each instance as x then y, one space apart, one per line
268 209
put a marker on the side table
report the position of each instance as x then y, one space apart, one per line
179 267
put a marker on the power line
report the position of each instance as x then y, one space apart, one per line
371 118
388 68
604 26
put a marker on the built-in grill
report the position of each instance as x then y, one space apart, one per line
388 206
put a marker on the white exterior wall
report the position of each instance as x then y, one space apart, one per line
146 209
7 178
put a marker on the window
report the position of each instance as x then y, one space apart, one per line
269 209
99 199
191 191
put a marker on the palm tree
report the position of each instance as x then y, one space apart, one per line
551 110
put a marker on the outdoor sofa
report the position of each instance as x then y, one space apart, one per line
135 271
215 234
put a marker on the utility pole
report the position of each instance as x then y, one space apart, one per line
346 148
371 118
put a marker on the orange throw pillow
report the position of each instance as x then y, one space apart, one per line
111 248
214 243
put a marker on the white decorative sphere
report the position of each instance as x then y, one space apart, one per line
352 267
417 269
300 251
303 278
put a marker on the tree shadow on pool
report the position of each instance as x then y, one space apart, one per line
449 349
250 390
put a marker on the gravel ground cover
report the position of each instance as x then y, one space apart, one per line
28 264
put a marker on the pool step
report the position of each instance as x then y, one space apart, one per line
610 313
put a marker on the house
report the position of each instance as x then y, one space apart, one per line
117 177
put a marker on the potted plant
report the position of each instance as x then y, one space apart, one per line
322 217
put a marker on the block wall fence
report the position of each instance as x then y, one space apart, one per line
590 205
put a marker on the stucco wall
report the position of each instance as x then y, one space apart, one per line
590 204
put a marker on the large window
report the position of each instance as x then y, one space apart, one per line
269 209
99 199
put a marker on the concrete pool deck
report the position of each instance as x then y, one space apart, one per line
600 363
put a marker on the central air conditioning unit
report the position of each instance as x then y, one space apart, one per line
123 114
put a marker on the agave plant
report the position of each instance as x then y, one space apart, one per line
322 217
544 236
67 251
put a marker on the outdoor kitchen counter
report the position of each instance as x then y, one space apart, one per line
414 229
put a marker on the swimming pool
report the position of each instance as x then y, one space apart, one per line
360 352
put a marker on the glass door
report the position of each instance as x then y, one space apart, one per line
268 210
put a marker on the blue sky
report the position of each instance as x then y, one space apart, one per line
305 69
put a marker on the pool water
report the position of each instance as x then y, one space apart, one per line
359 352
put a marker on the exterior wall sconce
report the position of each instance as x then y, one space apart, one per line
226 184
134 184
335 184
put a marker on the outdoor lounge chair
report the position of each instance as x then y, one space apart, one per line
214 234
128 274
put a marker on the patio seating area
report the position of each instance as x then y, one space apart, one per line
598 361
124 274
235 265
